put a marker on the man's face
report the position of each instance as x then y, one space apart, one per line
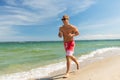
65 20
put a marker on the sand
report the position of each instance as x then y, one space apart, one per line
106 69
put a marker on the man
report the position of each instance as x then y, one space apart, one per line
68 31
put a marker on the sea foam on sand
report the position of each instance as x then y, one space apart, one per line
46 70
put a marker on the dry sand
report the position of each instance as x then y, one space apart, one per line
106 69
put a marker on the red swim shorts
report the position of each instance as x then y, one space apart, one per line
69 48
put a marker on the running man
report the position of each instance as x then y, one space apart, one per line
68 31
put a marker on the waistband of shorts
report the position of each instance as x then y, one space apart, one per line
69 41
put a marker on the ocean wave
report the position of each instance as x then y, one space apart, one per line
104 52
46 70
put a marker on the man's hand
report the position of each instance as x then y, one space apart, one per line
71 35
60 34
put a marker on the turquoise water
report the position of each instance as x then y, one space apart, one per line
21 56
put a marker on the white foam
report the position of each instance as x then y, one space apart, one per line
34 73
101 53
46 70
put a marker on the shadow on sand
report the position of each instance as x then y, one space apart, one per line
52 78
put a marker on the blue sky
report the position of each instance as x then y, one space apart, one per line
39 20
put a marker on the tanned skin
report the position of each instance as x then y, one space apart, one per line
68 31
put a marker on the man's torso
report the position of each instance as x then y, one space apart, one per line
66 30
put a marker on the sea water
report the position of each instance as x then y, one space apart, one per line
21 59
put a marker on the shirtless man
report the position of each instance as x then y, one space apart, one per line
68 31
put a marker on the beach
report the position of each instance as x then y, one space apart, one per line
106 69
46 60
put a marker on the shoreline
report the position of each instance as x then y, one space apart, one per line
53 70
105 69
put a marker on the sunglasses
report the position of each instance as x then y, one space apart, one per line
64 19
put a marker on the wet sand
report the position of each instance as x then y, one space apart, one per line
105 69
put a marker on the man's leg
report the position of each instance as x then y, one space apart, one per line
75 60
68 66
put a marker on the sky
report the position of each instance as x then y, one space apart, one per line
39 20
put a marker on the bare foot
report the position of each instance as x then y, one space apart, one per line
66 75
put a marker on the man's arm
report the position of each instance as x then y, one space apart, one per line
60 34
75 32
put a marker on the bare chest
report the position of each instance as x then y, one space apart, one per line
67 30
